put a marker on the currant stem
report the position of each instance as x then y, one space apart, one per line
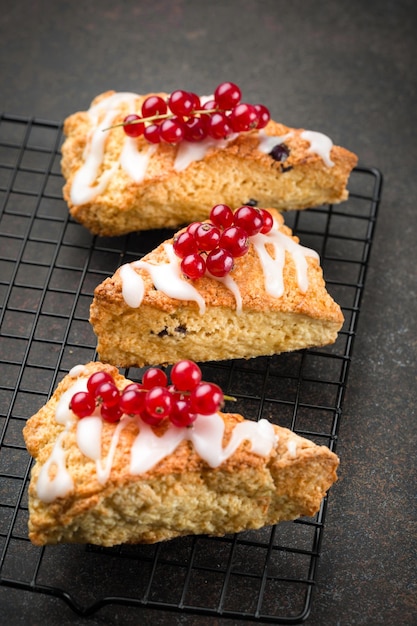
188 393
162 116
142 120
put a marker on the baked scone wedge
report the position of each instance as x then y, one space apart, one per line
117 184
274 300
127 482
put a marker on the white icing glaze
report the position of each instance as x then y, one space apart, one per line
319 144
148 449
168 278
292 448
76 371
233 287
104 466
268 142
133 288
54 480
86 183
134 161
196 151
273 267
89 436
206 435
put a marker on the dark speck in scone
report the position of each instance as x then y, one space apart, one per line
280 152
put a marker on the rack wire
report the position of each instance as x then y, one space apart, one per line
49 267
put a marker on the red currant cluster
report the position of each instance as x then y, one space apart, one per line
182 116
214 245
153 399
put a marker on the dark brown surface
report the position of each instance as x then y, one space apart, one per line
346 68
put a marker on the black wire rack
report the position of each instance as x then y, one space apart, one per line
49 267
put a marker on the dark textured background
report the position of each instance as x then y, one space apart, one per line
346 68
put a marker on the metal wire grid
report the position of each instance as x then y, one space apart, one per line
49 267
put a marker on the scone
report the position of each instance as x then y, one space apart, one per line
273 300
108 483
116 184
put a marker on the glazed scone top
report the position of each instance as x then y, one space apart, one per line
142 447
104 153
277 273
168 279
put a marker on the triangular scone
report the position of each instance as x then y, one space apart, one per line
117 184
94 483
149 313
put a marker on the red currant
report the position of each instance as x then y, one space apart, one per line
97 379
132 127
207 236
111 413
136 386
206 399
181 414
184 244
227 95
235 240
158 402
150 419
195 129
108 394
151 133
181 102
249 218
185 375
210 105
154 377
243 117
196 101
263 115
184 116
171 130
219 262
268 221
218 125
191 228
221 215
154 105
82 404
132 400
193 266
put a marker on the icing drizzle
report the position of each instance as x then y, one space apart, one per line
319 144
168 278
268 142
148 449
90 182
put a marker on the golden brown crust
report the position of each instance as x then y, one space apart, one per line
232 175
164 330
181 495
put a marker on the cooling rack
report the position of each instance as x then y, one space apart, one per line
49 267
